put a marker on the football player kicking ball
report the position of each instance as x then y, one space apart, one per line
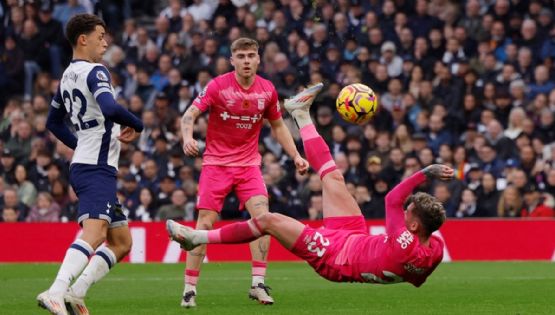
237 102
86 95
342 250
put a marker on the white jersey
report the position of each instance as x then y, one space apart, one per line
97 142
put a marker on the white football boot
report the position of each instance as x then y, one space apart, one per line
54 304
188 300
74 304
303 99
182 234
261 293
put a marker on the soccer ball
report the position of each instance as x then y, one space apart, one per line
357 103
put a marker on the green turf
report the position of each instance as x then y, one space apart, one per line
454 288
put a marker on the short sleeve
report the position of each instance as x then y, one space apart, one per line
206 97
273 111
98 81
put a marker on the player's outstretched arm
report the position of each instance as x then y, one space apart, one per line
190 145
55 123
396 197
284 138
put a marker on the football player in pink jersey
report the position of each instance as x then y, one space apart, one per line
237 102
343 250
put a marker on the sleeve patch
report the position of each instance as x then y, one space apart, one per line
100 75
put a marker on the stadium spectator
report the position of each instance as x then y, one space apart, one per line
46 209
491 64
10 215
534 203
178 209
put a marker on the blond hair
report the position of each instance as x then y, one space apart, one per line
244 43
430 211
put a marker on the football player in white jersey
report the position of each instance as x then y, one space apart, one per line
86 96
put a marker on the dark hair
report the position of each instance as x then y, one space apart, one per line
428 210
82 24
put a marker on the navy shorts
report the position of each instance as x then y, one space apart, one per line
95 186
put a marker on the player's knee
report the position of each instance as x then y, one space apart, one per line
265 221
205 225
336 176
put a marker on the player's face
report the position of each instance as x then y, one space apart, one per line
245 62
411 221
96 44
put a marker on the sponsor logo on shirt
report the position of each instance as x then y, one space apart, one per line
242 122
260 103
405 239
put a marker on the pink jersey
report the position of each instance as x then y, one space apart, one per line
348 253
236 117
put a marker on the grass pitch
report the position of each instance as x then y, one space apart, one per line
454 288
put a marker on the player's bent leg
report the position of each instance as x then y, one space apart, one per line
119 244
337 200
205 221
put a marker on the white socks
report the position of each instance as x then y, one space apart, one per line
76 258
302 117
98 267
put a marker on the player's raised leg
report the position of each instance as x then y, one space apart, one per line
285 229
256 206
119 244
336 199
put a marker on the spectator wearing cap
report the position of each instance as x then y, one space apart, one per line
488 196
374 168
330 66
390 59
534 203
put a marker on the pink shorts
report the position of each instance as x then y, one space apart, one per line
320 247
217 181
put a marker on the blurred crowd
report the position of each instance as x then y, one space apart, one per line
470 84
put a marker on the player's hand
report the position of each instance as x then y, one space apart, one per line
128 135
190 147
439 171
301 164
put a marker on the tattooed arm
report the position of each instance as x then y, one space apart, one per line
190 145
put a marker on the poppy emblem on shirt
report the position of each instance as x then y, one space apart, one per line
260 103
246 104
101 76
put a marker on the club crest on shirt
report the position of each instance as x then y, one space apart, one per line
245 104
260 103
101 75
